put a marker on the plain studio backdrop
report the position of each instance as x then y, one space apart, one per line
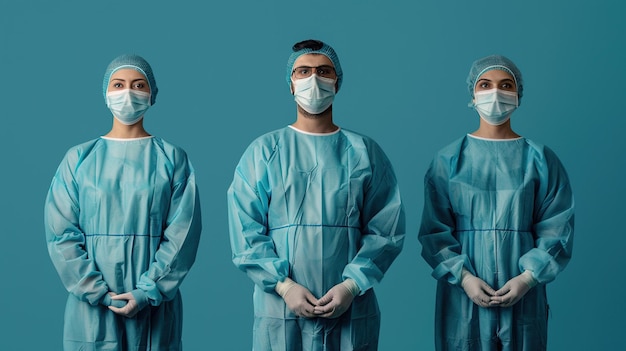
220 68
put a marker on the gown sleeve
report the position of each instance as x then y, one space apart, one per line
382 222
179 242
66 240
554 221
440 248
248 204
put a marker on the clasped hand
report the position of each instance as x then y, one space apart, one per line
302 302
130 309
485 296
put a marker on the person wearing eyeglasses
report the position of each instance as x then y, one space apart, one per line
497 224
316 219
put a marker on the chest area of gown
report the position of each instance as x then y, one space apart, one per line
124 180
317 184
493 190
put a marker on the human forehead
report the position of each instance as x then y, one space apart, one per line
313 60
127 74
496 75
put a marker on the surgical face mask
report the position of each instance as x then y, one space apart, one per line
128 106
314 94
495 106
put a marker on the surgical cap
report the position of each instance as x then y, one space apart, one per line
325 50
135 62
481 66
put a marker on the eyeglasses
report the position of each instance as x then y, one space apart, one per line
306 71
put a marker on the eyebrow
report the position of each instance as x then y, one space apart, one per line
132 81
489 80
320 66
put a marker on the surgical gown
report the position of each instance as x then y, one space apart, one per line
497 208
123 215
318 208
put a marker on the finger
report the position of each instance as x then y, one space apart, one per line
332 313
487 289
310 298
504 290
324 309
510 301
119 303
312 301
495 301
306 313
478 300
124 296
324 300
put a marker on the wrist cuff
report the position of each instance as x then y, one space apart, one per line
284 286
141 298
106 300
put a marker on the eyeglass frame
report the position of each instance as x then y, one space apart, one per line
332 73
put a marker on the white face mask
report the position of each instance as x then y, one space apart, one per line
314 94
128 106
495 106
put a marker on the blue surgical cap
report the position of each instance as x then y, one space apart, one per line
480 66
325 50
135 62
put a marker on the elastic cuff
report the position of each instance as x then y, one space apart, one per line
284 286
527 277
106 300
141 298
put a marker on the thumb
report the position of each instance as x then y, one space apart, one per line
325 299
488 289
124 296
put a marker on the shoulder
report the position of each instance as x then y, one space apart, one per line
451 151
265 145
357 140
544 155
173 153
78 152
167 147
446 158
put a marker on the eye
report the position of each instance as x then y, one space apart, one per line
325 71
139 85
484 85
118 85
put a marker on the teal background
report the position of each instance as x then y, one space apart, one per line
220 67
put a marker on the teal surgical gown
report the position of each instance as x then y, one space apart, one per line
496 208
123 215
318 208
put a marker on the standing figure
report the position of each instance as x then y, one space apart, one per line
122 220
497 226
316 220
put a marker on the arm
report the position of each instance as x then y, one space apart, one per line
554 223
440 248
179 243
383 226
65 239
253 251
